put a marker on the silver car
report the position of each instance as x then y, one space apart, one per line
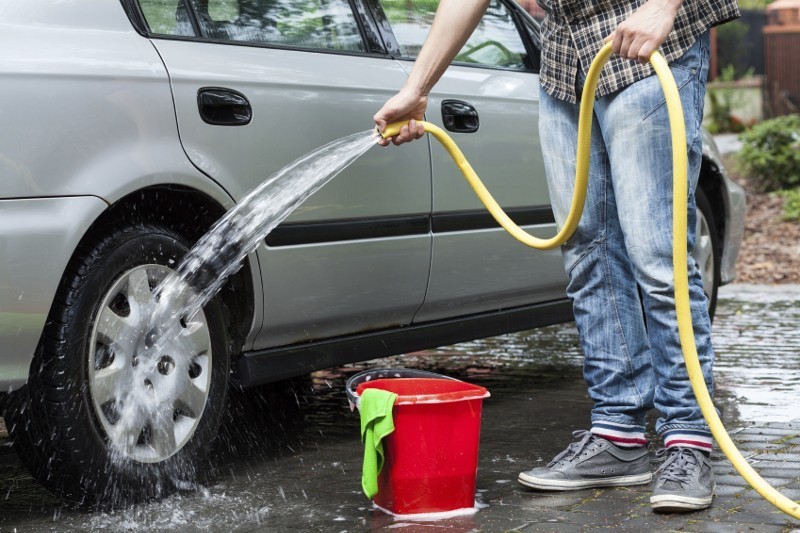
128 128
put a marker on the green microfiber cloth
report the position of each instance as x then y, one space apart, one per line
376 423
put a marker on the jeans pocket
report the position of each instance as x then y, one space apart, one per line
687 67
683 75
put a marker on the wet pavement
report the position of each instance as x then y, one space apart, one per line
289 458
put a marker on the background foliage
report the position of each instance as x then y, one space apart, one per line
771 153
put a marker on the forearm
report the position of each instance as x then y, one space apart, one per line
454 22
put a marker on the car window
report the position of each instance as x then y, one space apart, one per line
167 17
495 43
316 24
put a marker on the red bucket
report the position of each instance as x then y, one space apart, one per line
432 455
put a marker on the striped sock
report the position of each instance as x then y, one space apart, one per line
688 438
622 435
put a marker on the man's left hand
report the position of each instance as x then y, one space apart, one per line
643 32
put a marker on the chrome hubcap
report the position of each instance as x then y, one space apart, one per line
149 385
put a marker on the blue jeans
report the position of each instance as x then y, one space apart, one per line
619 261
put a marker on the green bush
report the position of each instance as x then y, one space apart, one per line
771 153
791 204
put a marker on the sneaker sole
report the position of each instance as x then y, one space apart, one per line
671 503
561 484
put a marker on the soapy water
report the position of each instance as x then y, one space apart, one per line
176 335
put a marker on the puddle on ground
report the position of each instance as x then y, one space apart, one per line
757 341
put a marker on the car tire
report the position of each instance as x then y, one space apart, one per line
67 424
706 251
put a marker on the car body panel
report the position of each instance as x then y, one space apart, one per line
38 238
75 16
474 270
108 93
105 91
332 288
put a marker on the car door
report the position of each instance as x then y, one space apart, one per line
290 76
488 99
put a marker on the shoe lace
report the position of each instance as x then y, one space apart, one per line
574 450
678 465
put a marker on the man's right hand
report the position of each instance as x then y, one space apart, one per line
454 22
405 105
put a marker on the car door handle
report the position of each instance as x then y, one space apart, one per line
223 107
459 116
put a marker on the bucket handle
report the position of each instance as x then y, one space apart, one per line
383 373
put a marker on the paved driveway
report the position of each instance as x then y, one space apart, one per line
297 464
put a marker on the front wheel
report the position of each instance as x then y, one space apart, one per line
110 419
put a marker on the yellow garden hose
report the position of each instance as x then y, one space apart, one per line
679 253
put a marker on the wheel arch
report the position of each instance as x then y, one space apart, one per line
191 213
711 183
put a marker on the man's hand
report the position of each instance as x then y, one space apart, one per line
454 22
644 31
405 105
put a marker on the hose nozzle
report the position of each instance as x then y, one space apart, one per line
391 129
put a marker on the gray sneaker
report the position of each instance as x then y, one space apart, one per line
591 462
685 483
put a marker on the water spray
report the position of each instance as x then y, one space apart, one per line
165 323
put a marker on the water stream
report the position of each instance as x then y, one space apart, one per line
173 336
219 253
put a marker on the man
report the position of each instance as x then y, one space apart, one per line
619 261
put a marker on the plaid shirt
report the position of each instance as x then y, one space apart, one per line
573 32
